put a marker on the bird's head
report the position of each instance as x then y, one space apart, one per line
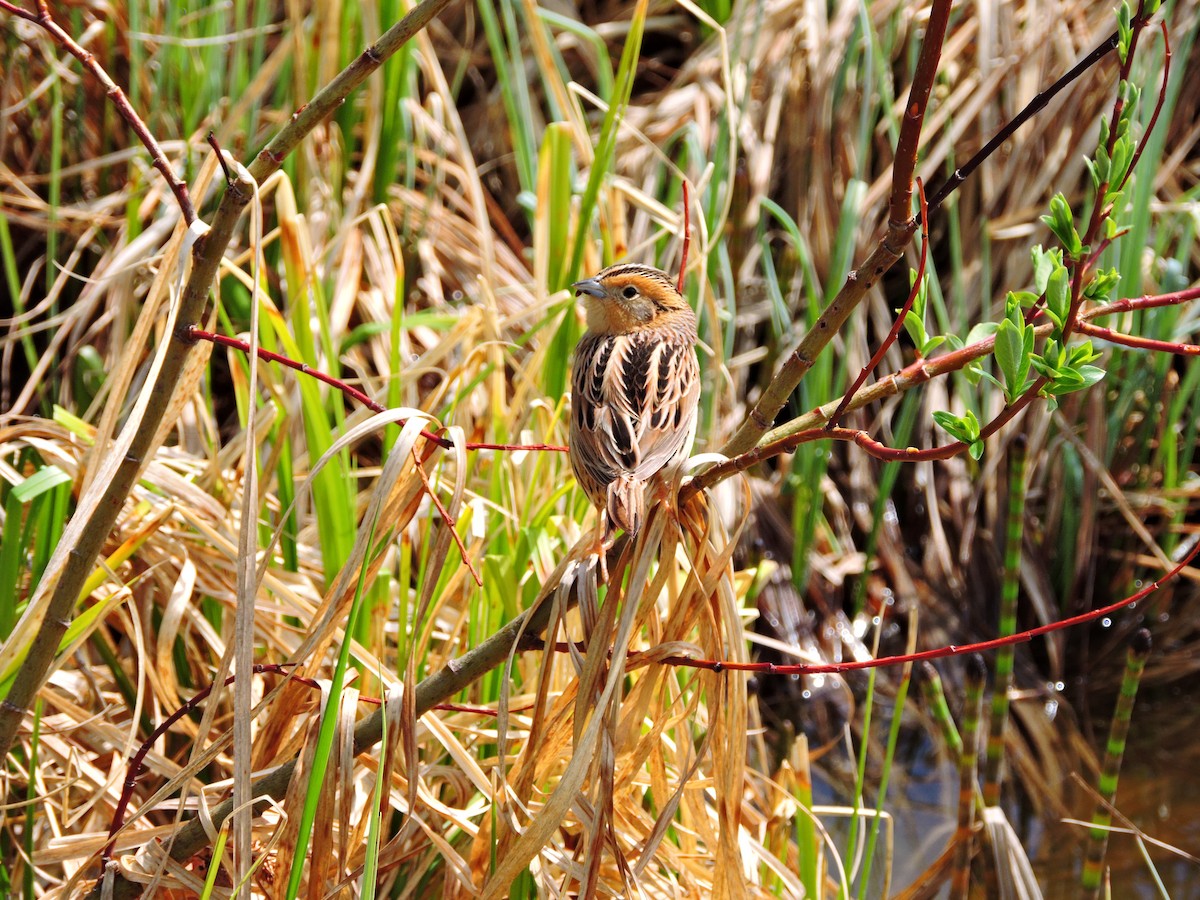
629 297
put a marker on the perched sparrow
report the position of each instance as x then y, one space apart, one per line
635 385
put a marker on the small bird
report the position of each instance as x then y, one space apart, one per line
635 386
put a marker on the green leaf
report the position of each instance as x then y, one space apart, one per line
1124 31
988 376
918 305
1010 343
1090 375
1081 354
963 428
915 328
932 344
976 449
47 478
1058 296
1044 263
980 332
1043 368
1062 222
951 424
1103 165
1102 284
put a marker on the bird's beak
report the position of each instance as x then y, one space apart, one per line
591 287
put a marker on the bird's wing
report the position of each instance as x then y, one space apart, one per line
635 402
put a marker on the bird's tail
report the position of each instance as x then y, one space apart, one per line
627 503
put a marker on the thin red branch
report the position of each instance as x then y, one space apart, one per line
137 762
224 163
446 517
1103 210
1146 301
894 333
1162 96
1140 343
940 652
353 392
304 368
159 159
909 140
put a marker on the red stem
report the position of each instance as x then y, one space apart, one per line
940 652
446 517
137 761
1141 343
1162 96
1146 301
353 392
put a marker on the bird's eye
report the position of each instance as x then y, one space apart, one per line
629 292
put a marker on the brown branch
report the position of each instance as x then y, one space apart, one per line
137 762
102 513
159 159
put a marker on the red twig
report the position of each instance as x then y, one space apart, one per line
353 392
940 652
1146 301
137 761
215 144
444 443
1103 210
687 235
446 517
159 159
912 376
1162 96
898 324
909 140
1133 340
